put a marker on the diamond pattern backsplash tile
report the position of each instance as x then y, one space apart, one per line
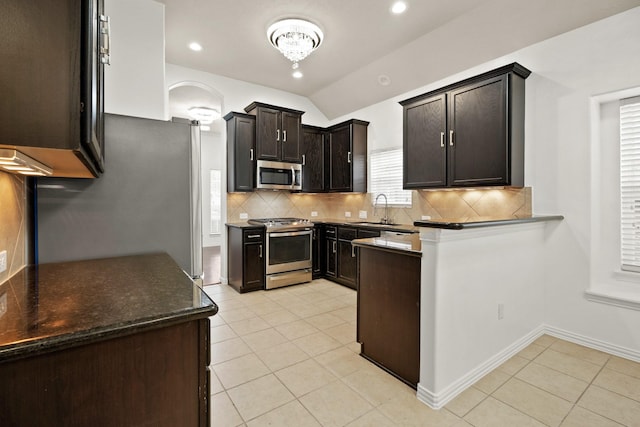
438 204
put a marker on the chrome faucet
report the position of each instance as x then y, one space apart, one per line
385 219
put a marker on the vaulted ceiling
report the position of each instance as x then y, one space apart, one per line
363 41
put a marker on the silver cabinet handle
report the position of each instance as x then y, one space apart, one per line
105 39
451 138
253 236
284 136
278 135
349 157
251 154
304 160
441 139
260 251
334 247
353 251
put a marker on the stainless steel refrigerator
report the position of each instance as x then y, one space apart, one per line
148 199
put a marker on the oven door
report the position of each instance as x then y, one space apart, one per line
288 251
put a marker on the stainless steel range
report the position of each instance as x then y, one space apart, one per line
288 254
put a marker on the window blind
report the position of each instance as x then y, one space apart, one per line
385 175
630 183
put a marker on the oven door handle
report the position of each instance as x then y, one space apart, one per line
290 233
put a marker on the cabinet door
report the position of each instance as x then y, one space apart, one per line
317 252
478 134
340 166
253 266
268 134
312 161
241 167
331 257
424 149
347 264
290 136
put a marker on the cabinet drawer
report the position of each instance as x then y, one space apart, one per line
347 233
331 232
252 235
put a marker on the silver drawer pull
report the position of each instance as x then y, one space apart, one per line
254 236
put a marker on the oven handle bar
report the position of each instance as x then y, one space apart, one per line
290 234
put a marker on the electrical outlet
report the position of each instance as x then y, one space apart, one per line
3 304
314 214
244 215
425 217
347 214
363 214
500 311
3 261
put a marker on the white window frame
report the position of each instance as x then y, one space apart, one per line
215 179
385 177
630 184
608 283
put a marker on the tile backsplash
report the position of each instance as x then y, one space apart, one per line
13 222
467 203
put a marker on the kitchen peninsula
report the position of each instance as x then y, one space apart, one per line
120 339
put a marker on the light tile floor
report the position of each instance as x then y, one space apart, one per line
288 357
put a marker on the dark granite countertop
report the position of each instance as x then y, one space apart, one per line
243 224
403 228
466 223
408 244
60 305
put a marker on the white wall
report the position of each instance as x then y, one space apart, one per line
213 157
134 82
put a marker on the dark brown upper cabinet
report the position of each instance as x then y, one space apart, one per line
346 157
52 72
467 134
313 167
241 145
278 132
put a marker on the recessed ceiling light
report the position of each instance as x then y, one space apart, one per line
297 74
398 7
384 80
197 47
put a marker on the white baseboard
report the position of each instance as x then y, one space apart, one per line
438 400
595 344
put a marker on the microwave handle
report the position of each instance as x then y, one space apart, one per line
293 177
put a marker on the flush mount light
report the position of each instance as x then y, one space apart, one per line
297 74
398 7
204 115
295 38
197 47
16 162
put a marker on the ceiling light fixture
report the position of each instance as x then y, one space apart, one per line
398 7
297 74
295 38
197 47
205 115
16 162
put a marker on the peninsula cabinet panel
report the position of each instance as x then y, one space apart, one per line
241 165
467 134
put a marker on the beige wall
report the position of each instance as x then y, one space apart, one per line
482 203
13 222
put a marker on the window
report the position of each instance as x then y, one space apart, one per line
216 201
386 177
630 183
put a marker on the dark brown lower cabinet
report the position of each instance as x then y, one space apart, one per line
246 258
389 311
154 377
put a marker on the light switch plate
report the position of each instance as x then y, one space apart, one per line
425 217
244 215
3 261
314 213
347 214
363 215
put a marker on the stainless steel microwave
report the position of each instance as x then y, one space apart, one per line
278 175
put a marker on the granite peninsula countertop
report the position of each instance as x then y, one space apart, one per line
408 244
466 223
60 305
